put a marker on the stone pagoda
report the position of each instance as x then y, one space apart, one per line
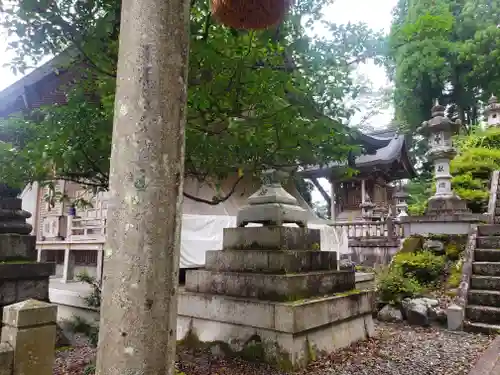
400 197
492 112
271 294
439 131
21 278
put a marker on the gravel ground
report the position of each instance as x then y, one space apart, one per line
397 349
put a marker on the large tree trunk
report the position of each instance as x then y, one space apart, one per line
139 307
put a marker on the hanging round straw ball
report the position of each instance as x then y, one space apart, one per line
249 14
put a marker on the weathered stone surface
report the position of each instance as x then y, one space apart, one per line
486 255
271 238
390 314
8 292
12 217
16 247
488 242
26 271
484 297
416 310
29 313
286 287
446 205
6 358
485 282
486 268
29 327
266 261
434 246
272 214
489 229
291 317
483 314
417 315
437 314
455 316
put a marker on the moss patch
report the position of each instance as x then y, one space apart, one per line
254 350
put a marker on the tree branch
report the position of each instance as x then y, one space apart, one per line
216 200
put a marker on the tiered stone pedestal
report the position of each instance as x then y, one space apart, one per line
272 292
21 277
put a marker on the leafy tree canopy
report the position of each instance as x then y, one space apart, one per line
444 49
270 98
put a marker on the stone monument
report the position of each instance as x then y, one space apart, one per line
21 277
439 131
446 213
271 294
492 112
400 196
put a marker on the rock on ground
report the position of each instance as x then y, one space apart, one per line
390 314
396 349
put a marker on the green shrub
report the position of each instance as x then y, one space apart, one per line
453 251
393 286
424 266
455 275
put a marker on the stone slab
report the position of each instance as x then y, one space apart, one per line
486 268
12 291
290 317
270 261
284 350
18 271
29 313
486 255
488 242
6 358
489 230
483 314
274 287
485 282
33 349
271 238
16 247
272 214
484 297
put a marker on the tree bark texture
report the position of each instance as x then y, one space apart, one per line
141 257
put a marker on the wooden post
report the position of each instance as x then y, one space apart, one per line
141 256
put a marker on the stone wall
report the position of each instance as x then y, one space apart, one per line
370 252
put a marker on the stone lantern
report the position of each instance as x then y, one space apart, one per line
400 197
439 131
367 207
492 112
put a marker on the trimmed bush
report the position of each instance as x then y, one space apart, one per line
393 286
424 266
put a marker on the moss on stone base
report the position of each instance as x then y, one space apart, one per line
254 350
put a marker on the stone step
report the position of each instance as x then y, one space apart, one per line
486 268
489 229
271 238
271 261
484 297
485 282
488 242
486 255
285 287
477 327
483 314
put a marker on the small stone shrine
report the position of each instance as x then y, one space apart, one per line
439 130
271 294
21 277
